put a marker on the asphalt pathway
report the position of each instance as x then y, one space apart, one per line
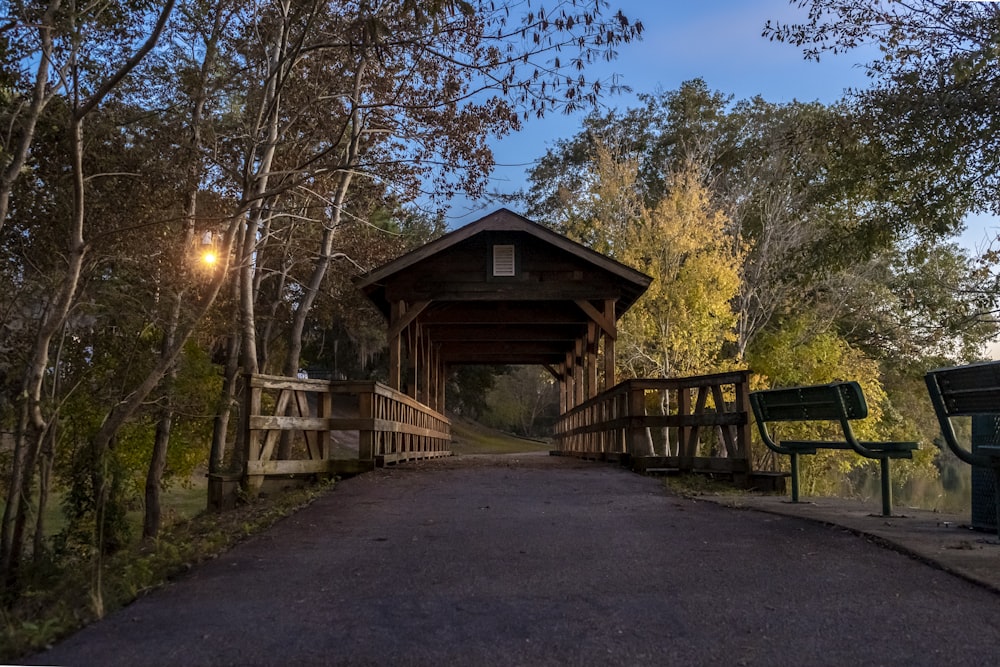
537 560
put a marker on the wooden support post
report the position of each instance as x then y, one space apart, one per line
442 387
560 376
424 394
252 483
579 381
610 379
636 436
412 354
366 437
590 362
683 408
694 432
396 347
325 411
743 429
570 393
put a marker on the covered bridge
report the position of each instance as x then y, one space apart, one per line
503 290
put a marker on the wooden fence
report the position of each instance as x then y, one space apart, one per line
698 424
301 427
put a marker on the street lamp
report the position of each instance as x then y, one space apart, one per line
208 255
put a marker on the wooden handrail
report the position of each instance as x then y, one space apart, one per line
391 425
617 421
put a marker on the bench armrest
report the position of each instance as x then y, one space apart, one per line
765 435
936 393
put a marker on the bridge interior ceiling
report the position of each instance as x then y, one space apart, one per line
505 332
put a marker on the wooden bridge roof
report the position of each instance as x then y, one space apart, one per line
503 290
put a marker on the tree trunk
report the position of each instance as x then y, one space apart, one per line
326 249
220 428
154 476
33 425
48 454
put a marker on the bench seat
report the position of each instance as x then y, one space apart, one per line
837 402
900 450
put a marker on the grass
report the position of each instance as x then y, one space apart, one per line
693 484
61 601
469 437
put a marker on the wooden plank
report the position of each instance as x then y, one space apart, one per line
399 457
271 439
293 384
251 437
366 437
600 319
694 432
487 333
406 318
727 434
609 346
274 424
312 438
387 392
396 348
324 410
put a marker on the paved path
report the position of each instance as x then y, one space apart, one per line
540 560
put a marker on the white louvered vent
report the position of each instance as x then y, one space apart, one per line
503 260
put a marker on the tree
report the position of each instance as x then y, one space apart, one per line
931 108
680 325
525 401
28 37
917 302
94 69
804 351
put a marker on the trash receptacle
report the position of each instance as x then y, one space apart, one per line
985 431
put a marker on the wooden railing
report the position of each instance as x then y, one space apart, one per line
293 427
696 423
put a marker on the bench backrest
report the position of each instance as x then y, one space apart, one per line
965 390
960 391
830 402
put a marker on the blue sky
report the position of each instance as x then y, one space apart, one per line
717 40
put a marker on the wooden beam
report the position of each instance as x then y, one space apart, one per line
524 312
578 372
607 325
590 360
610 379
396 348
511 332
494 359
405 317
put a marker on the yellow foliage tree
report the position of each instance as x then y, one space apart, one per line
681 324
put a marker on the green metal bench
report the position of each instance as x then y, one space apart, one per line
839 402
962 391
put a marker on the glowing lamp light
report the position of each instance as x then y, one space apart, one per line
208 255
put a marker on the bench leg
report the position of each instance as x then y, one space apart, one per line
795 477
886 488
996 494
